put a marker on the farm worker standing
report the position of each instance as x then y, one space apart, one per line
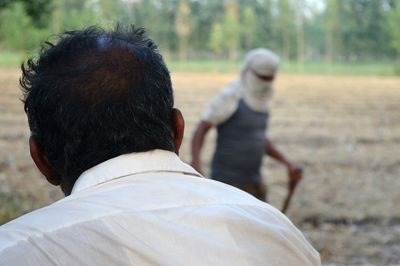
240 114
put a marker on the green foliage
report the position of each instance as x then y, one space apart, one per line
249 27
332 29
225 35
393 27
204 14
362 31
182 28
216 42
74 14
286 27
158 17
17 31
315 31
231 29
39 11
342 30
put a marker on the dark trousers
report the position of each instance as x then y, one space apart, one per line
258 190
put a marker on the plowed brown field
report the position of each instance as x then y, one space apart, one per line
345 131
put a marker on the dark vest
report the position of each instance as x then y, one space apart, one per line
240 146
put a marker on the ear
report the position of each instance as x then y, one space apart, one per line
178 126
42 162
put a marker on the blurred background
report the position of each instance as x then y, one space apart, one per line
336 109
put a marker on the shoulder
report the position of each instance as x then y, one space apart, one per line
267 231
230 91
44 221
223 105
46 235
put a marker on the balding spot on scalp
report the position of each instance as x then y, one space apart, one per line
117 70
103 41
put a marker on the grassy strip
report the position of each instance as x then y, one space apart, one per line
375 68
11 58
342 68
379 68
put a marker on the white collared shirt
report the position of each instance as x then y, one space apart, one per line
152 209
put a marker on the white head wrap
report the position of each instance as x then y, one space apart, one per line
257 93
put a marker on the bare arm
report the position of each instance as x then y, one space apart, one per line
197 143
294 171
273 152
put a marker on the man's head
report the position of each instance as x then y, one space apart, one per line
257 75
95 95
262 62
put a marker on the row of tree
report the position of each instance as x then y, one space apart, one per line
331 30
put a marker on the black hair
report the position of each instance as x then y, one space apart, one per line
97 94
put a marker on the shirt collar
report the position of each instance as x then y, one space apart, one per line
132 163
